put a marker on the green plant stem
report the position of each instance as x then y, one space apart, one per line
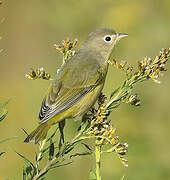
50 162
98 162
114 99
41 146
44 169
76 138
122 91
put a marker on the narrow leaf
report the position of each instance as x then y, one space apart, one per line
52 135
7 139
1 153
83 126
123 177
24 131
124 84
61 165
51 150
43 174
80 154
87 146
110 108
24 176
27 161
3 114
28 168
114 92
69 149
92 175
5 103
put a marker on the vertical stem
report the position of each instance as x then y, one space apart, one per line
98 155
41 146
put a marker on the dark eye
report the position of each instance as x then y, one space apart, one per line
107 38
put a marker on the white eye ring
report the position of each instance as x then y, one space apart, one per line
108 39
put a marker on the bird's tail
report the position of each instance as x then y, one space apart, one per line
38 134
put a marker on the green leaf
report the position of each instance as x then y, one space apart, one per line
24 176
84 124
61 165
92 175
46 150
111 107
3 114
43 174
81 154
2 20
28 161
51 151
68 149
29 167
114 92
24 131
124 84
123 177
4 111
87 146
65 148
52 135
7 139
5 103
1 153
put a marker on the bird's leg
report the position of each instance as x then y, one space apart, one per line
61 126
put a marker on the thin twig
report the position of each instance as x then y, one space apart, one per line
44 169
98 162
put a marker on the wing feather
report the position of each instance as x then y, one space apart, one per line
70 85
64 103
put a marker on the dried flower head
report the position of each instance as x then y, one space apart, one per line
38 73
112 62
134 100
153 68
122 65
105 132
66 48
129 70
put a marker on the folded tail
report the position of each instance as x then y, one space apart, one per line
38 134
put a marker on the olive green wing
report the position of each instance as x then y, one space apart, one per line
68 88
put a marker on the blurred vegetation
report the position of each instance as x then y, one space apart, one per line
29 31
3 114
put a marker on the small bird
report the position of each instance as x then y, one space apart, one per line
78 82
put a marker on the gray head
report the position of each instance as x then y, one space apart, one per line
102 41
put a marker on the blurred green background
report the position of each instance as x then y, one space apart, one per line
29 31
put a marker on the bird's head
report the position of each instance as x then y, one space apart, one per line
103 41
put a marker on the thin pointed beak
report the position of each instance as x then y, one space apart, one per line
121 35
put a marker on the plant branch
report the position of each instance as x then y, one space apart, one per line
44 169
98 162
